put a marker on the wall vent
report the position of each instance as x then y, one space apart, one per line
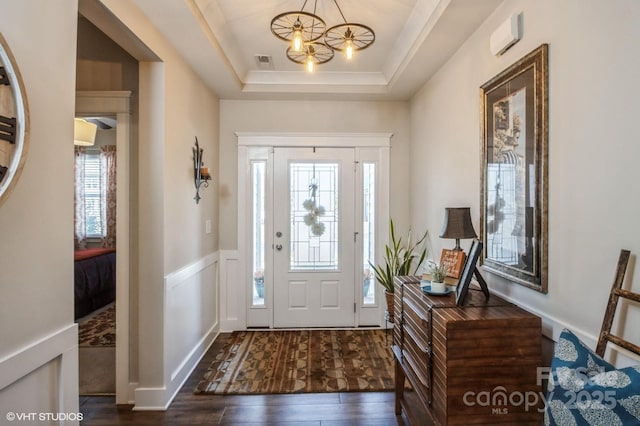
264 62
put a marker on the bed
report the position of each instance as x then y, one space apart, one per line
95 279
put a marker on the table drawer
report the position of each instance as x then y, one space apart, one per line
419 370
417 324
416 346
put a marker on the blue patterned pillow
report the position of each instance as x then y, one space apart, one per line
584 389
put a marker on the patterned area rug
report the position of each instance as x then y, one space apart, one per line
98 329
266 362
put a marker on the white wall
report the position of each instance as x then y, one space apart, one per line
594 56
177 300
38 338
310 117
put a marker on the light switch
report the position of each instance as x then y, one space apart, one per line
207 226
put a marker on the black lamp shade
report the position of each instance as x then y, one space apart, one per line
457 223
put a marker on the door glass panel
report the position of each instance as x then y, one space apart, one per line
314 216
258 176
368 234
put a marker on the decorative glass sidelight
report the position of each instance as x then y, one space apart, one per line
258 179
314 216
368 234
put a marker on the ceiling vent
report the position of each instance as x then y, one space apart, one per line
264 62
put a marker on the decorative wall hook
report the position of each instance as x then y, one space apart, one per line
200 173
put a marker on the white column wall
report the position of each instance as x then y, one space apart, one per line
177 258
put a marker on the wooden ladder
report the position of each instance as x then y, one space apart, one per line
616 293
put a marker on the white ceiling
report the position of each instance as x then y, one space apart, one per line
220 39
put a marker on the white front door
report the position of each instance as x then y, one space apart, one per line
313 242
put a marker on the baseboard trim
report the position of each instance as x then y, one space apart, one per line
189 364
151 399
160 398
131 395
196 353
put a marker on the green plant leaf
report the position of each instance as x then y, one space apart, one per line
399 257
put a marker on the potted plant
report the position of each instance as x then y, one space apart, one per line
438 273
399 259
258 282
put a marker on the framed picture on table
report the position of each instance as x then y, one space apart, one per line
469 270
454 259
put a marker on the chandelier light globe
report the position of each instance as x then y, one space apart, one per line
297 41
348 50
310 64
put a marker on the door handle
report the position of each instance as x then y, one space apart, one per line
278 247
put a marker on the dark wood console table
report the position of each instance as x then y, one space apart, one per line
474 364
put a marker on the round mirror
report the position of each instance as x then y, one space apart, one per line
13 121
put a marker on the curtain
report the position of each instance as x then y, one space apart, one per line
107 195
108 168
80 237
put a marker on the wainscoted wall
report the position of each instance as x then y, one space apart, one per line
232 292
42 377
190 325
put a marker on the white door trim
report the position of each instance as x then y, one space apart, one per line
283 140
91 103
373 314
248 142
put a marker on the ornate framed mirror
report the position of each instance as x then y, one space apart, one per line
14 121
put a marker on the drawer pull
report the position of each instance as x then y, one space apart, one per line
423 348
416 310
424 381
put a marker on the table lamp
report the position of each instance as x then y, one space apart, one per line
457 224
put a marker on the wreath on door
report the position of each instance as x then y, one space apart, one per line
314 211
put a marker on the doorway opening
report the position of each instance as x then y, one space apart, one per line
116 105
95 219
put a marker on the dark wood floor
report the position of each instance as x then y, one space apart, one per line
335 409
